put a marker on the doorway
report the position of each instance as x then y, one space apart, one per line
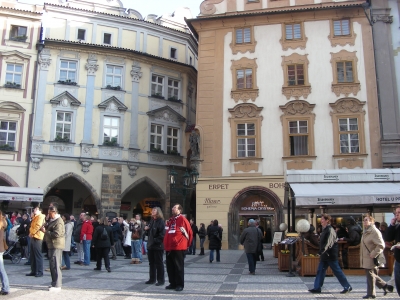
266 223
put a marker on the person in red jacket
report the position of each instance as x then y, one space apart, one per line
178 237
86 239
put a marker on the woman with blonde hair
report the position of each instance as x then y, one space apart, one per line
5 289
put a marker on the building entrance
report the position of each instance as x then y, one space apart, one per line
266 222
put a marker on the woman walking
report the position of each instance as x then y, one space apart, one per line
5 289
103 240
202 236
155 247
215 237
69 226
372 245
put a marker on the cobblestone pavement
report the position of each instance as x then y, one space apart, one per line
226 280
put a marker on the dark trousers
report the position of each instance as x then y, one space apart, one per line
127 250
102 253
176 268
55 257
36 256
252 261
156 269
372 280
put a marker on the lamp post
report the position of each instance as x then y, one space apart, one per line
189 183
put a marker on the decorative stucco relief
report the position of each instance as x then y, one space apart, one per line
301 164
296 92
246 166
351 163
207 7
91 65
44 59
135 72
347 105
85 166
297 107
246 111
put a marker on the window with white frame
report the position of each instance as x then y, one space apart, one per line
8 133
14 74
156 133
63 126
157 84
341 27
110 129
298 136
173 89
349 135
68 70
114 76
172 140
246 140
293 31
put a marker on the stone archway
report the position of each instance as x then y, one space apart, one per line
80 179
233 214
8 179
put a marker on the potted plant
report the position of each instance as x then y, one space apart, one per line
6 147
60 139
19 38
157 150
173 152
111 143
174 99
67 82
12 85
115 88
157 95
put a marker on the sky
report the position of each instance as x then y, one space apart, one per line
145 7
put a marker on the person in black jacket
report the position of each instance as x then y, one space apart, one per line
155 246
215 237
202 236
393 233
23 231
192 247
353 239
102 243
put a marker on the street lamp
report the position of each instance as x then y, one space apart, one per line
188 180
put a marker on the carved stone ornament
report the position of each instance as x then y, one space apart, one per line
195 163
85 165
296 91
347 105
297 107
132 169
382 18
300 164
165 158
244 95
86 150
246 166
133 155
135 72
37 148
246 111
35 161
62 148
44 59
346 89
110 152
207 7
351 163
91 65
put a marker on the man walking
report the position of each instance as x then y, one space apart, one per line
251 238
36 240
54 234
393 233
328 251
178 236
77 239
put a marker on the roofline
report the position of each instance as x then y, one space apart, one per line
21 10
270 11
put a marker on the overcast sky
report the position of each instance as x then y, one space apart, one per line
145 7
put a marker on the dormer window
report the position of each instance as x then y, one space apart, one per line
107 39
81 34
18 33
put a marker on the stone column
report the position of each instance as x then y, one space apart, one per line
91 67
136 75
111 183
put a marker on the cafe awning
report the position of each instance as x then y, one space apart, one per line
8 193
365 193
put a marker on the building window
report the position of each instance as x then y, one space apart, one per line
107 39
173 89
173 53
14 74
190 60
293 31
243 35
156 133
298 136
172 140
243 40
18 33
295 74
81 34
344 71
244 79
110 129
63 126
157 84
348 132
68 70
114 76
341 27
246 141
8 133
345 77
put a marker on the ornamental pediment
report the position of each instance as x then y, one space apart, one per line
112 104
167 114
65 99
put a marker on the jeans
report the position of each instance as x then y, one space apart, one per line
145 246
397 276
65 259
86 252
137 249
79 250
252 260
202 242
4 278
337 271
212 255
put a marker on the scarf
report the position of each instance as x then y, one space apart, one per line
332 239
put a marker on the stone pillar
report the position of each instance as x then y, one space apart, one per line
91 67
136 75
111 183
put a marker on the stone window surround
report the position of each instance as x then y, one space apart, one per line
245 113
120 115
58 108
244 47
342 40
114 64
345 88
295 91
58 67
14 113
18 22
244 94
165 83
14 57
294 43
348 108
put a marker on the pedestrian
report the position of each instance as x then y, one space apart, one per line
117 233
372 245
23 233
192 246
77 239
54 234
353 239
127 243
69 227
178 236
202 237
36 241
155 247
136 240
103 240
5 286
251 240
393 233
215 237
329 255
145 238
260 254
86 239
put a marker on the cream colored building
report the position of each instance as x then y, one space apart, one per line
20 29
282 85
115 97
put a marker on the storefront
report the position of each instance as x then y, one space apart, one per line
17 198
343 193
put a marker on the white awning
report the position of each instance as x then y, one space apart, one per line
8 193
367 193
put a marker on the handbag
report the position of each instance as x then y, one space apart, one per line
379 260
135 235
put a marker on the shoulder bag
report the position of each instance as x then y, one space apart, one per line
379 260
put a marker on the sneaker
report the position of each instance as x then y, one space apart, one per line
47 270
54 289
314 291
348 290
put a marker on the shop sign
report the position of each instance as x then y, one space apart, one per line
257 206
388 199
211 203
218 186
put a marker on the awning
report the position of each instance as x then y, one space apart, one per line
8 193
365 193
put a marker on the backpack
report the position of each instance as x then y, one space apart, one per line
104 234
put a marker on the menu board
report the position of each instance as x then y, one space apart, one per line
277 237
